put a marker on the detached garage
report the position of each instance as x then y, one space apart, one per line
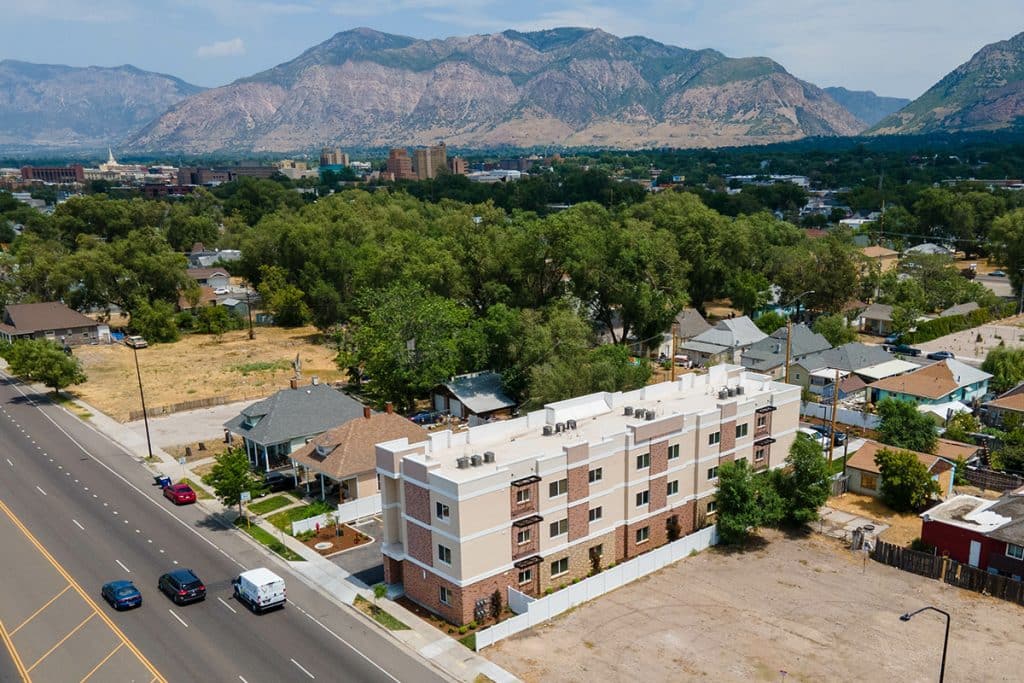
477 394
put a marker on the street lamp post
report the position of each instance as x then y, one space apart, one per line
789 329
945 641
142 397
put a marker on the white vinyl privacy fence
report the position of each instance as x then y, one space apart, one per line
854 418
347 512
537 610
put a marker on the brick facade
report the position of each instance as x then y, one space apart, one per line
658 493
531 547
424 587
657 530
659 457
392 570
579 521
728 435
530 507
417 502
579 482
419 543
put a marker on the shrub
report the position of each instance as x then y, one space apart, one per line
471 626
921 546
462 630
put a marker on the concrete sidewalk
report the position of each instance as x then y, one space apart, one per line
324 576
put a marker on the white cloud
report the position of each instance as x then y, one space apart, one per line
223 48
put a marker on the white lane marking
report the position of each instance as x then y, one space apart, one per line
105 505
180 620
9 462
221 600
303 669
242 679
60 467
78 524
162 551
121 564
175 561
184 524
41 491
136 531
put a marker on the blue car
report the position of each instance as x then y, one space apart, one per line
121 595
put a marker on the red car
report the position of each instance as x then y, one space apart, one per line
180 494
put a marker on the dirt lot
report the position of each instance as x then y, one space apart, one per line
904 527
202 366
806 607
966 345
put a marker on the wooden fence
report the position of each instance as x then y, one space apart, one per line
990 479
949 571
194 404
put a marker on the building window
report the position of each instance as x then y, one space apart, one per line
1015 551
673 487
868 481
443 513
712 473
712 506
741 430
596 513
444 554
643 534
762 420
673 452
758 454
446 596
596 475
559 567
522 496
714 438
643 498
525 576
597 551
643 461
523 536
558 488
560 527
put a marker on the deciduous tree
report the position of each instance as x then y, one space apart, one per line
231 476
902 425
906 483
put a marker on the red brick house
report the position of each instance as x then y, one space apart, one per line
988 534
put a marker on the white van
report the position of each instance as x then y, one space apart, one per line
817 437
260 589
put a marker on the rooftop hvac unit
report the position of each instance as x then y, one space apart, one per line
732 391
650 415
628 410
723 393
570 424
462 462
477 460
559 427
740 390
488 456
639 413
548 430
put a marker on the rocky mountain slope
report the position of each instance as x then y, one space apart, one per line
63 107
985 93
865 104
562 86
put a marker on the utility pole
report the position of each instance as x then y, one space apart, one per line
142 397
832 429
248 309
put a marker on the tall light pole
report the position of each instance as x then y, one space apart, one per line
789 329
945 641
142 397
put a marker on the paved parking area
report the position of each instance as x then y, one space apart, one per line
364 562
53 630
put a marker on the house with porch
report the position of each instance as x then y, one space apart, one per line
215 278
346 454
278 425
51 320
866 478
942 382
877 319
987 534
817 371
687 325
723 343
473 395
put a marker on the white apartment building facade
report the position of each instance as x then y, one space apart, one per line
536 502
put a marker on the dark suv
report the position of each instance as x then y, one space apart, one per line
278 481
182 586
838 439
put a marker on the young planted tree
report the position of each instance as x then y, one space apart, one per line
906 483
745 502
903 426
835 329
231 476
805 487
39 360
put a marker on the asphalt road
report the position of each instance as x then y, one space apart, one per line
97 512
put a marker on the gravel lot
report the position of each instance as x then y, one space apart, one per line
966 345
806 606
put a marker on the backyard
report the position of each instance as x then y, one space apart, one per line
201 367
804 609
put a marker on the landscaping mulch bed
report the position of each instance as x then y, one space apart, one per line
341 539
443 626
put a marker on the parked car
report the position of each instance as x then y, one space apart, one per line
893 338
940 355
136 342
997 273
121 594
180 494
423 417
260 589
839 438
182 586
905 350
813 435
278 481
222 290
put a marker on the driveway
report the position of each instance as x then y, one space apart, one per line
365 562
189 426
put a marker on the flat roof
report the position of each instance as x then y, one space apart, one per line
967 512
599 418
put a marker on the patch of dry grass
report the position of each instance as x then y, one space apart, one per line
904 527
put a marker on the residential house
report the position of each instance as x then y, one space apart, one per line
477 394
987 534
538 501
865 477
942 412
687 325
995 412
725 342
768 356
201 257
206 298
887 259
216 278
346 454
53 321
818 370
877 319
960 309
273 428
941 382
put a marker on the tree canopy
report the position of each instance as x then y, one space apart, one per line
903 426
906 484
40 360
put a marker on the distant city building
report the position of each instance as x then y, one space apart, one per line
399 165
495 176
333 157
438 159
422 164
458 166
75 173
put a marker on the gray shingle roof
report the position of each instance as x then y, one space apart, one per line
877 312
960 309
770 352
480 392
295 413
850 357
49 315
1012 506
689 323
732 333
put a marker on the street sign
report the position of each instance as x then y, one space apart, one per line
181 461
245 497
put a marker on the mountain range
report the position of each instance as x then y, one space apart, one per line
866 105
61 107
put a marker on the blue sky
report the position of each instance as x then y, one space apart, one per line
895 47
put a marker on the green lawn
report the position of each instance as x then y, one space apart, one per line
201 493
262 507
268 540
837 464
283 520
380 616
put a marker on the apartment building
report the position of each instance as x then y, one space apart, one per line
399 165
535 502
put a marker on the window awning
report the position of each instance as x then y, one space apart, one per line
764 442
526 481
527 521
528 562
765 409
